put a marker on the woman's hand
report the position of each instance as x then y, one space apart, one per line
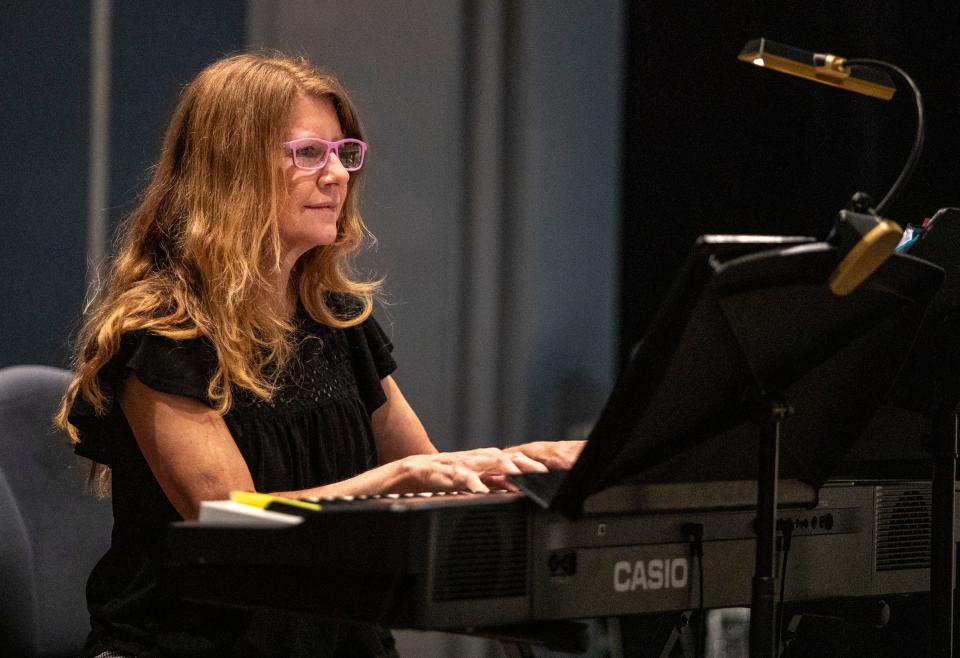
468 470
555 455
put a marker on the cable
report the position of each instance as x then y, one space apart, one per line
694 534
911 163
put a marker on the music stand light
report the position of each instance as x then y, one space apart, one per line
820 67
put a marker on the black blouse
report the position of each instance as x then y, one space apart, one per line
316 430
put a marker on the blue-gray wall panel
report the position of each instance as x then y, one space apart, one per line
158 48
44 53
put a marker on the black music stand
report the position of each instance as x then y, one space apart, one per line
739 346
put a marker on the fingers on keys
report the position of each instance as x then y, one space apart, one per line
554 454
472 470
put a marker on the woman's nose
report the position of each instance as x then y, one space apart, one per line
333 171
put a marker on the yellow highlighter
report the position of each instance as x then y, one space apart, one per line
273 503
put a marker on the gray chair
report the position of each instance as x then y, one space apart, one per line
18 621
63 530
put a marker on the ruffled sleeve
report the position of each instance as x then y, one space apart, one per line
178 367
371 353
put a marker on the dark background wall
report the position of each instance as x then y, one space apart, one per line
715 145
44 73
709 144
158 48
44 114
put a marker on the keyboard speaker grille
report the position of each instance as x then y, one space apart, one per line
480 554
903 526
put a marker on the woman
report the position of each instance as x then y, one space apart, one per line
233 348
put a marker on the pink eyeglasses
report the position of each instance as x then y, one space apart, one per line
311 153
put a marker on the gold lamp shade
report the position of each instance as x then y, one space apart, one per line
819 67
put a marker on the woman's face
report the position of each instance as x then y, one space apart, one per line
314 198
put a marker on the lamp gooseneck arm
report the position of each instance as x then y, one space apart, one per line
914 157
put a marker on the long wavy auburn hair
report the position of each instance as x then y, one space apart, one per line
195 258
